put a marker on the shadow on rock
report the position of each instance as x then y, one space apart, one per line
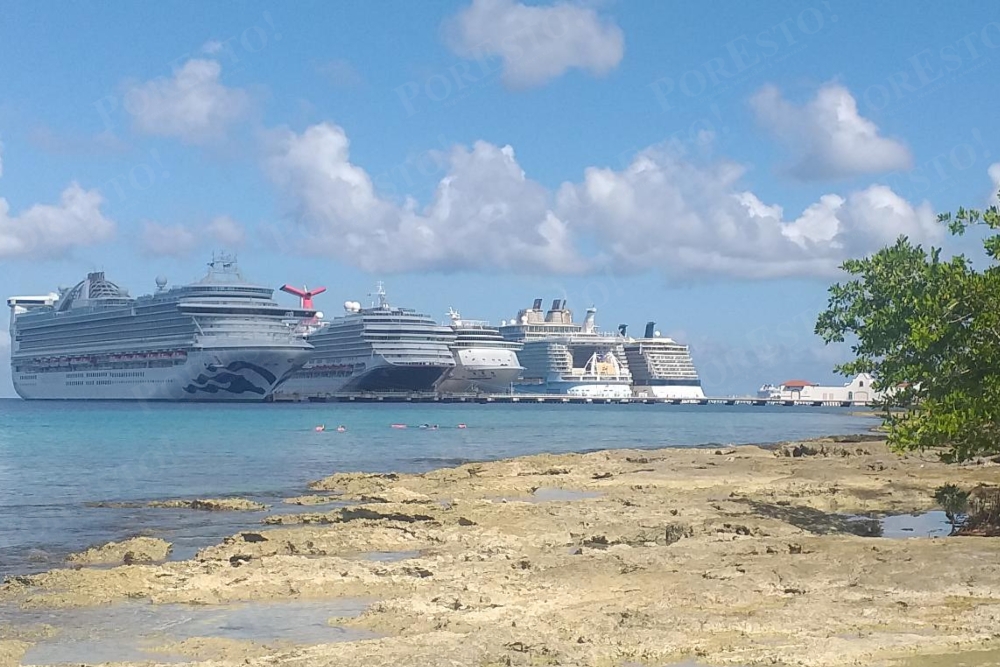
817 521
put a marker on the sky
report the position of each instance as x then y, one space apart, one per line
707 166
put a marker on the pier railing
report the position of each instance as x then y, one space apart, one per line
404 397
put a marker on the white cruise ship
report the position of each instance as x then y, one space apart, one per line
484 361
661 367
377 349
219 339
561 357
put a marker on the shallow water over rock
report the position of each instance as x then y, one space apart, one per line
131 631
927 524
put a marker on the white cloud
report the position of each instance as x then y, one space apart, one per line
192 105
827 136
51 230
664 212
994 172
226 231
536 43
159 240
483 214
166 240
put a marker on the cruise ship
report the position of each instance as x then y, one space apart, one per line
562 357
218 339
484 361
661 367
381 348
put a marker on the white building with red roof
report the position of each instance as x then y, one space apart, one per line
859 391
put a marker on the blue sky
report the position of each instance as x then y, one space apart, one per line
707 166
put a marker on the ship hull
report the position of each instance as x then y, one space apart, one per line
580 388
217 375
465 379
373 374
488 370
668 391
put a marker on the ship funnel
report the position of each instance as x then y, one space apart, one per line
537 305
551 315
623 330
649 329
588 321
305 294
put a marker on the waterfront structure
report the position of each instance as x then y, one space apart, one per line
218 339
484 361
858 390
381 348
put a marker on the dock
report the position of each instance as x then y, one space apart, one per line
561 399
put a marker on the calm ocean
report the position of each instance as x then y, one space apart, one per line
57 459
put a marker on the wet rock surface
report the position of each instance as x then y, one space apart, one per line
212 504
126 552
739 555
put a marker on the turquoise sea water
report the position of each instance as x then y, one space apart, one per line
58 458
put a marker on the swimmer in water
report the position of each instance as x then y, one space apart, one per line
321 427
341 428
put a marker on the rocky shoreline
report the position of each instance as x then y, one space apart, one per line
725 556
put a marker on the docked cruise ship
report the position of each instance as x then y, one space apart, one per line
484 361
661 367
381 348
562 357
218 339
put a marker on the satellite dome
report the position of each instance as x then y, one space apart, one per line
319 314
161 281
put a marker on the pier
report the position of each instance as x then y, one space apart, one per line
560 399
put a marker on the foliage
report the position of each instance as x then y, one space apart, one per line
928 329
953 501
984 512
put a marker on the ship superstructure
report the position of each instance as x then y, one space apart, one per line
381 348
484 360
661 367
218 339
562 357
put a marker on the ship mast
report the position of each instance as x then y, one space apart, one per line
380 293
